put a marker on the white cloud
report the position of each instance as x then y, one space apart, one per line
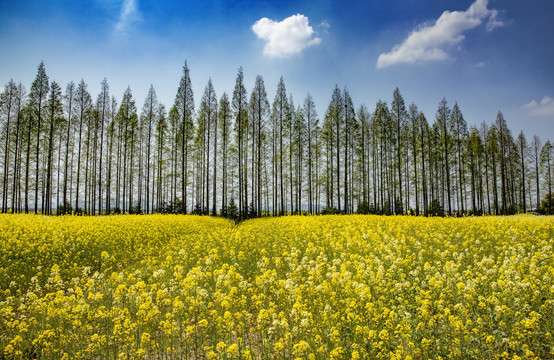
325 26
285 38
428 42
128 15
493 21
543 108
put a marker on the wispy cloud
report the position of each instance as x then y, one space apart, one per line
129 14
429 42
543 108
324 26
285 38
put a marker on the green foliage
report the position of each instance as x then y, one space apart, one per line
435 208
330 211
547 204
64 209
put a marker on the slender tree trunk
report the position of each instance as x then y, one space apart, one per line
17 160
6 151
214 208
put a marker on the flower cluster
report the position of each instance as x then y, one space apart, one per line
335 287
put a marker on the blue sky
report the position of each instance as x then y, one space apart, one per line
486 55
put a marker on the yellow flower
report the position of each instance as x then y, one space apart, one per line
233 349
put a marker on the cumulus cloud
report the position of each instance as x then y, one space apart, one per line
285 38
543 108
429 41
128 15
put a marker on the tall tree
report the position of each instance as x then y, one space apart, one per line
475 150
83 106
112 138
535 154
349 121
443 118
240 107
149 110
224 117
259 107
161 134
424 131
70 104
335 112
546 163
413 117
8 107
103 103
184 102
312 122
127 118
493 151
174 132
207 120
503 135
522 145
55 112
459 131
289 124
39 92
399 115
280 106
19 108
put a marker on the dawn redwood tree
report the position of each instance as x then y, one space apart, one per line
83 104
535 156
503 134
363 167
240 107
349 129
259 108
19 127
423 134
413 119
399 115
160 138
493 151
149 110
70 105
523 148
184 103
103 103
475 150
127 119
112 138
279 110
55 114
459 131
312 122
206 123
546 163
335 112
174 133
91 118
444 118
39 92
8 107
300 138
224 117
289 123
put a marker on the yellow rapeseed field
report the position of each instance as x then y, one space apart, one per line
327 287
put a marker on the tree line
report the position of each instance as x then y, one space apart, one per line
245 155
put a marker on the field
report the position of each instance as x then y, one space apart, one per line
338 287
